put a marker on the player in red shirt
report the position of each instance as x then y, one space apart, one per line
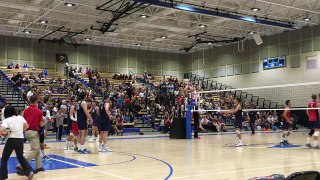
314 122
287 124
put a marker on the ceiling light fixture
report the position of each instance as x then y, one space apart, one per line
87 39
164 37
209 43
143 16
43 21
255 9
138 44
69 4
251 32
27 32
307 19
202 25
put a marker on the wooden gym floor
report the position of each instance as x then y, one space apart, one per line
158 157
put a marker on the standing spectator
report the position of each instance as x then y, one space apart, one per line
45 72
59 121
253 117
196 118
30 93
34 118
16 124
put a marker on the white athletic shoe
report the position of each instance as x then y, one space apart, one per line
66 147
239 144
107 149
101 149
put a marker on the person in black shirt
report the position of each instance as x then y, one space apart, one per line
196 118
253 118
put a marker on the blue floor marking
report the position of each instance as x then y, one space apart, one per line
285 147
162 161
73 161
50 165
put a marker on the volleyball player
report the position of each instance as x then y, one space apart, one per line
313 115
42 132
82 117
94 112
237 111
72 128
287 124
104 124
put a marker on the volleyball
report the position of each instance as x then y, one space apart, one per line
6 132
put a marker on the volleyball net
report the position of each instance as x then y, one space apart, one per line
262 98
267 101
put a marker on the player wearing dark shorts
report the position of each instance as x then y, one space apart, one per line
313 115
238 118
71 119
104 124
94 112
287 124
43 108
82 117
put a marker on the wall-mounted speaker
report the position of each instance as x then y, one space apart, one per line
257 38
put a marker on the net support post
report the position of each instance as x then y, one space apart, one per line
188 122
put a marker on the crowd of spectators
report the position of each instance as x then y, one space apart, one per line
166 99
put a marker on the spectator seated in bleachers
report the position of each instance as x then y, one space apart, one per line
119 124
31 76
25 67
80 70
10 66
206 125
53 81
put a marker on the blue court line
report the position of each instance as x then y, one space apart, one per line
170 167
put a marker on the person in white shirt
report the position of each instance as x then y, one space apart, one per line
16 124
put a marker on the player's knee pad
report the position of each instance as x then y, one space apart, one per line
316 134
311 132
237 131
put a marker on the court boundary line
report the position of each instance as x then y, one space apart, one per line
110 174
243 170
